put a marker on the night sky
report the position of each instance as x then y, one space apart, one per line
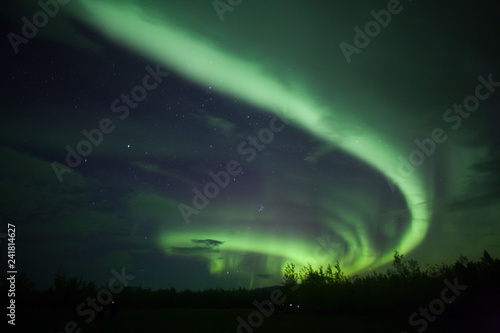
325 143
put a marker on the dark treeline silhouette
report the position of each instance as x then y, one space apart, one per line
401 290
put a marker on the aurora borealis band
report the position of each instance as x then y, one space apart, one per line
334 183
194 58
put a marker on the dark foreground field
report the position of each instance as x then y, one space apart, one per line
219 320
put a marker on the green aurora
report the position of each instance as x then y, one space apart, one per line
283 58
230 73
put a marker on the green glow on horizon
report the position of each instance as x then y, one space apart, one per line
193 57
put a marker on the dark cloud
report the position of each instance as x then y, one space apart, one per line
207 242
